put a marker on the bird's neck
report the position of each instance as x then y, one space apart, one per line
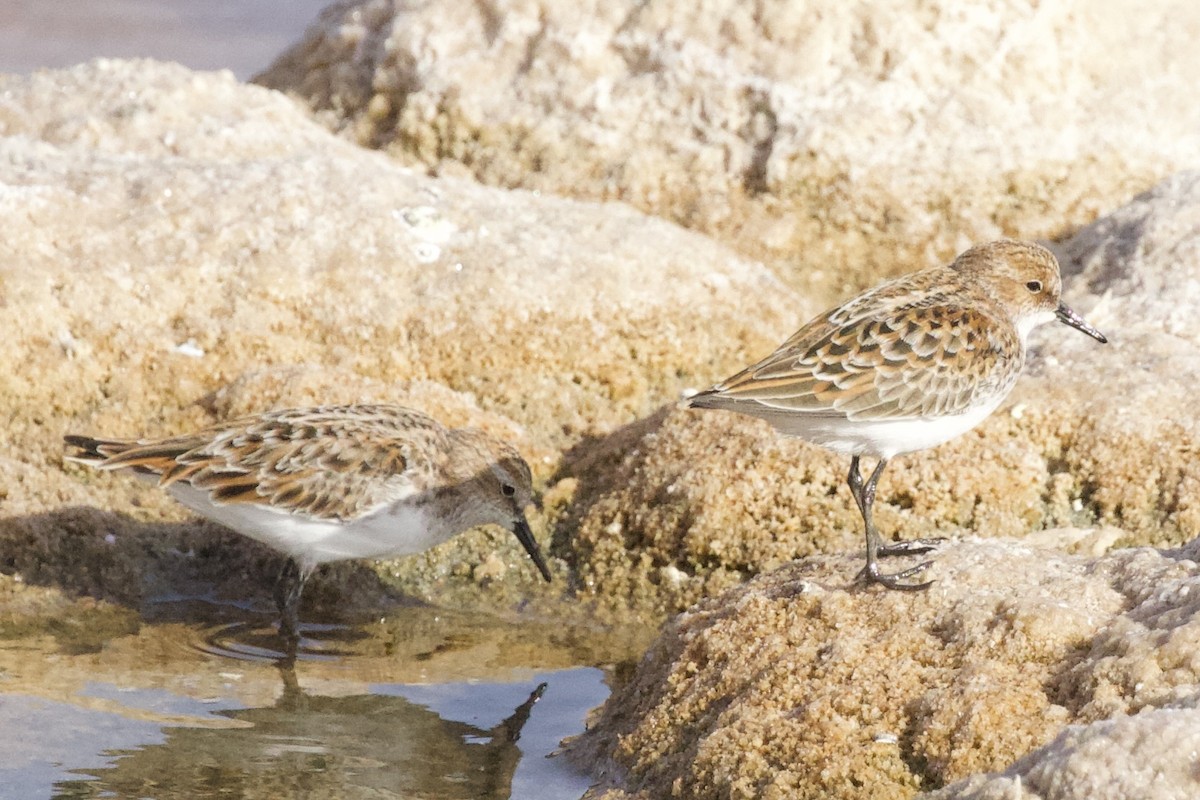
453 509
1025 323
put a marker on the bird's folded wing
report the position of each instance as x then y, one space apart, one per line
902 362
327 468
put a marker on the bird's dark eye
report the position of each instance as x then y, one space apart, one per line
508 490
1034 286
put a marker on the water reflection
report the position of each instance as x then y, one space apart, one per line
248 641
373 745
426 703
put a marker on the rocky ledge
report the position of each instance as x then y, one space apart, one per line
1022 671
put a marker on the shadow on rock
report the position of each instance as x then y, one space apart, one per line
156 568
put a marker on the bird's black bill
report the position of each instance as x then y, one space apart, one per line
525 537
1068 317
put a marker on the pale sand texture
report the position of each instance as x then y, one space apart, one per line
180 247
840 140
803 685
1151 755
685 503
800 685
1138 275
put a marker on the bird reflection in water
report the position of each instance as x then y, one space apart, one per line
315 746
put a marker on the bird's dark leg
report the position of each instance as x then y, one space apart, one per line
288 588
908 547
855 481
864 496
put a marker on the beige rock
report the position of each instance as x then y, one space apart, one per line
688 503
1134 444
180 247
844 140
685 503
1148 755
803 684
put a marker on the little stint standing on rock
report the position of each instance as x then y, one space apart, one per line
907 365
332 483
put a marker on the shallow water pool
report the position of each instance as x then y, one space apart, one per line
424 704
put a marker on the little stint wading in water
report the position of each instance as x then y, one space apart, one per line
907 365
332 483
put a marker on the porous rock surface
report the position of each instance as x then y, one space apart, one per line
841 140
1136 273
687 502
1022 671
1147 755
181 248
804 684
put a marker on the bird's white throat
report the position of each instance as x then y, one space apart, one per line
1025 323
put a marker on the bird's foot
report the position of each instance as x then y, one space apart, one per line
896 580
911 547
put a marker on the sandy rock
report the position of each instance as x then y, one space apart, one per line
843 139
179 247
1148 755
1132 429
803 684
1141 262
262 241
686 503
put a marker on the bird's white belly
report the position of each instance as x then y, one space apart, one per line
885 438
397 531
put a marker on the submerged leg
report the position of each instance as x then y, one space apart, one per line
864 496
288 588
